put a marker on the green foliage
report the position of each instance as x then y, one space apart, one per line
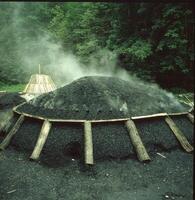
12 88
153 40
139 50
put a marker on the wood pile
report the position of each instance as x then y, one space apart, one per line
39 84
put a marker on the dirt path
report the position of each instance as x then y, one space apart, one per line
163 178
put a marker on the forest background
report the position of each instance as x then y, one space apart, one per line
154 41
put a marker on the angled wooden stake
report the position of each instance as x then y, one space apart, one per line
12 132
88 143
179 135
41 140
6 123
39 69
136 141
190 117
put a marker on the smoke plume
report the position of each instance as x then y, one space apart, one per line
61 64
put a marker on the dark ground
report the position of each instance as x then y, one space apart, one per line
117 173
9 100
162 178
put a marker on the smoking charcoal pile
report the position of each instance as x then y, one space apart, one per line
99 98
9 100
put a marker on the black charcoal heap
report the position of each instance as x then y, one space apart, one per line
9 100
99 98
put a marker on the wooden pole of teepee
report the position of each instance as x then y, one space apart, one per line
39 69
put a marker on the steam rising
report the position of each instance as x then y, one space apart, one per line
61 65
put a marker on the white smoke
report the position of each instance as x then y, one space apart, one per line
62 65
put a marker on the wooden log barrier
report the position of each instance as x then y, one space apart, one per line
41 140
4 126
179 135
88 143
190 117
136 141
6 121
12 132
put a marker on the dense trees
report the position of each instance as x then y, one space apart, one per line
153 40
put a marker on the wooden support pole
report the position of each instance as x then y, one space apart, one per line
41 140
5 124
88 143
190 117
179 135
136 141
39 69
12 132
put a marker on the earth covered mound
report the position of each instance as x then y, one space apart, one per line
9 100
99 97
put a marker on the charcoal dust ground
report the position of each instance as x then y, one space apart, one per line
117 173
162 178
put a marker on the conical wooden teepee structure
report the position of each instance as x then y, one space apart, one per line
39 84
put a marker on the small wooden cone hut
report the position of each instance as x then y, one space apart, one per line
39 84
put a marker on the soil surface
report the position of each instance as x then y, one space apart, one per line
163 178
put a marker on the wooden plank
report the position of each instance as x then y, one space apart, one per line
68 120
190 117
99 120
136 141
108 120
12 132
88 143
41 140
179 135
31 116
177 114
149 116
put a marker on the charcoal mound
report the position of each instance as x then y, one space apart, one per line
99 97
9 100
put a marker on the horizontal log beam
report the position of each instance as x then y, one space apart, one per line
177 114
149 116
99 120
29 115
